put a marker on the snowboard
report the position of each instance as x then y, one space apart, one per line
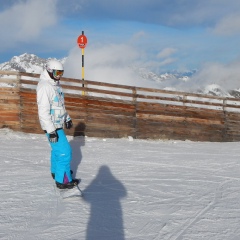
69 193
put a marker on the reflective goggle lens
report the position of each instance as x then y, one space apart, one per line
58 73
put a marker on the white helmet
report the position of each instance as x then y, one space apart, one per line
55 69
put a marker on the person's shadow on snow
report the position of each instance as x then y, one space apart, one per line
76 143
106 219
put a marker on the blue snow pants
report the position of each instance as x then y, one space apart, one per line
61 156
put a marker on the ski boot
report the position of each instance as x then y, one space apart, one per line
68 185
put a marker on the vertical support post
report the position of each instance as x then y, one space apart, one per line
134 102
83 92
224 104
225 123
184 99
20 103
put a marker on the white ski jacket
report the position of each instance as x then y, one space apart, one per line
50 99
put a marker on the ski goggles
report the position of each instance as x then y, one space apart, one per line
57 73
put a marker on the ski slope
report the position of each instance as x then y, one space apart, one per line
133 189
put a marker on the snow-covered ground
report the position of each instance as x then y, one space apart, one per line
133 189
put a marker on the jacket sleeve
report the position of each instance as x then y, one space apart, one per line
68 118
44 106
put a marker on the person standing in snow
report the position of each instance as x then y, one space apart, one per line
53 117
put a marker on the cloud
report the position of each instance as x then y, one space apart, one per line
174 13
138 36
229 25
49 28
167 61
102 63
166 52
113 64
225 75
25 20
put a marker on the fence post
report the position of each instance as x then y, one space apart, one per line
18 82
224 104
134 93
225 124
134 101
184 99
18 86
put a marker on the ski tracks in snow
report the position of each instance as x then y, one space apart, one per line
194 219
191 198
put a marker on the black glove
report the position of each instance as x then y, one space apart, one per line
53 137
69 124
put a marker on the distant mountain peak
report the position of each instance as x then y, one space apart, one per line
26 63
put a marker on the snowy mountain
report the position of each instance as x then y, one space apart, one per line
215 90
172 81
25 63
162 77
168 80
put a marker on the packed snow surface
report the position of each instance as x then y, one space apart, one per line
133 189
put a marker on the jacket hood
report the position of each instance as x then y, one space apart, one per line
45 76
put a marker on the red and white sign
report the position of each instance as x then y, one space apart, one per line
82 41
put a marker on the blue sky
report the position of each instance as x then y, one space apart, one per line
160 35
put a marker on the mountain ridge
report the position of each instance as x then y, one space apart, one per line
33 64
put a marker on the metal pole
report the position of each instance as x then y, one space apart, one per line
83 65
83 93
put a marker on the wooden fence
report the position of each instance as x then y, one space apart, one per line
111 110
